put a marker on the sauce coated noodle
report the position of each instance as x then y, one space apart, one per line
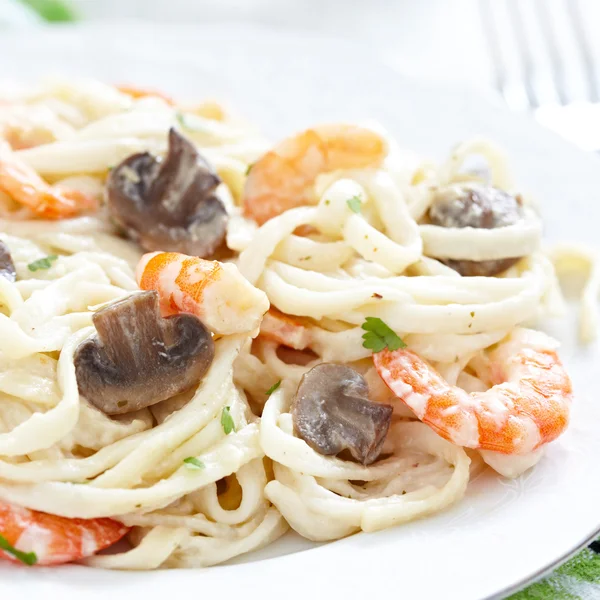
359 245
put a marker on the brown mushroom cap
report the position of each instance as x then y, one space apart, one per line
7 267
169 204
332 413
139 358
482 207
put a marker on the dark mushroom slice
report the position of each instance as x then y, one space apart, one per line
482 207
168 204
139 358
332 413
7 267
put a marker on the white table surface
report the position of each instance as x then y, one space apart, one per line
434 39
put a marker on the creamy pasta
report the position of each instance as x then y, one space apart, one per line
331 251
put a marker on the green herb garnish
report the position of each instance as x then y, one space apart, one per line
52 10
227 421
380 336
28 558
190 122
191 462
42 263
273 388
249 169
354 204
305 257
182 120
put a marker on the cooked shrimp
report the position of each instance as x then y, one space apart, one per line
21 138
54 539
284 329
140 92
21 183
527 407
284 177
215 292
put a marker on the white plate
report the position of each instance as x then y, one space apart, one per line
504 532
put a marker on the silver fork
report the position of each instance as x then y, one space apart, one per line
543 61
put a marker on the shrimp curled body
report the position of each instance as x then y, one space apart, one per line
284 178
527 407
284 329
21 183
215 292
53 539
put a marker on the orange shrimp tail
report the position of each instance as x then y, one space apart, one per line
141 92
21 183
64 540
83 202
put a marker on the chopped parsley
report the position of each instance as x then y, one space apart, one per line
227 421
27 558
354 204
53 11
380 336
42 263
190 122
249 169
327 202
191 462
273 388
306 258
472 314
183 121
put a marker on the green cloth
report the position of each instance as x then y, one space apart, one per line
577 579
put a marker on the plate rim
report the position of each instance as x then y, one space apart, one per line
147 28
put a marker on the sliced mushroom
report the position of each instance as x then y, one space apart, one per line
7 267
169 204
332 413
482 207
139 358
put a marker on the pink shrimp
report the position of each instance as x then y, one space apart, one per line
21 183
54 539
141 92
527 407
215 292
284 177
284 329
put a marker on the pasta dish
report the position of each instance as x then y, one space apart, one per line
207 339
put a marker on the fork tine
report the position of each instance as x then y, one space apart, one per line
573 9
524 48
494 46
551 43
